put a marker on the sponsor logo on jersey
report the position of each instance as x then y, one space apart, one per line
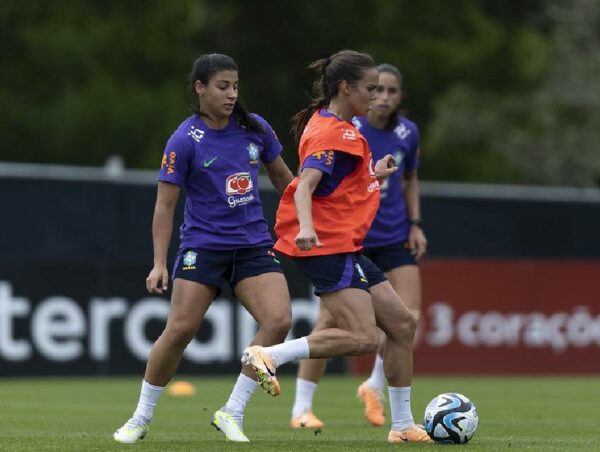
196 134
253 153
168 162
348 134
327 154
239 184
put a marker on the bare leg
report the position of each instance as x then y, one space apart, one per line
355 333
406 281
267 299
398 323
313 369
189 303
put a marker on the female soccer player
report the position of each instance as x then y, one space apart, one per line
394 243
214 156
322 220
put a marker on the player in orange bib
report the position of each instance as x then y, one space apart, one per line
322 219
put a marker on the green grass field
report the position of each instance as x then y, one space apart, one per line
80 414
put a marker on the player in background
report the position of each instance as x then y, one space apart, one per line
322 220
214 156
394 243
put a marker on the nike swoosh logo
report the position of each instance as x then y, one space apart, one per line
207 163
271 373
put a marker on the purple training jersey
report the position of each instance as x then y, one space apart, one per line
391 223
218 170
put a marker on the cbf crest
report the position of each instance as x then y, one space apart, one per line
253 154
189 260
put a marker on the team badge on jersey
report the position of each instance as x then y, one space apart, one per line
189 260
253 154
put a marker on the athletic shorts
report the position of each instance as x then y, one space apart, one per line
334 272
210 267
391 256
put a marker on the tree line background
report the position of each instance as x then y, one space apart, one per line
503 91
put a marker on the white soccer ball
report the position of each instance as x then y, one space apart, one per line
451 418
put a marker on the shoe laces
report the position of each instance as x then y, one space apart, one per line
237 416
135 422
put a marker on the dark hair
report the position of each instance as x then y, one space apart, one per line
347 65
203 69
391 69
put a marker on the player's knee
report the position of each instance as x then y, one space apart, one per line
408 326
367 341
277 325
180 334
404 330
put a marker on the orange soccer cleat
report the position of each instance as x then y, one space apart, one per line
413 434
264 366
306 420
373 400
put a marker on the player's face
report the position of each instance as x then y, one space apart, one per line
362 93
388 94
219 95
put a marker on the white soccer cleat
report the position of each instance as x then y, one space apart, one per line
230 425
133 430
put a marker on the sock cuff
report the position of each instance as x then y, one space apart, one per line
402 389
154 388
306 383
247 380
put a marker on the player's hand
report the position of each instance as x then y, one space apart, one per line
385 167
417 242
306 239
158 279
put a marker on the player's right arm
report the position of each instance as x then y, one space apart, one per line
162 228
307 237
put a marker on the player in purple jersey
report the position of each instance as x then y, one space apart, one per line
214 156
394 243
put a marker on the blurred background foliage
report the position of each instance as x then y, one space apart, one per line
503 91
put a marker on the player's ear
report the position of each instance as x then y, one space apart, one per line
344 87
199 87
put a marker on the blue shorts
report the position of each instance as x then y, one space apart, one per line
210 267
334 272
391 256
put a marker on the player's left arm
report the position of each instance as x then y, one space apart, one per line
279 174
416 237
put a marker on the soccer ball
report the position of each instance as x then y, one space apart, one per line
451 418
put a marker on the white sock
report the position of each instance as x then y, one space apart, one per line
377 378
305 391
148 399
241 394
400 408
293 350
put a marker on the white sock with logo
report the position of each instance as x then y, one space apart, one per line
305 391
400 408
293 350
148 399
242 392
377 378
